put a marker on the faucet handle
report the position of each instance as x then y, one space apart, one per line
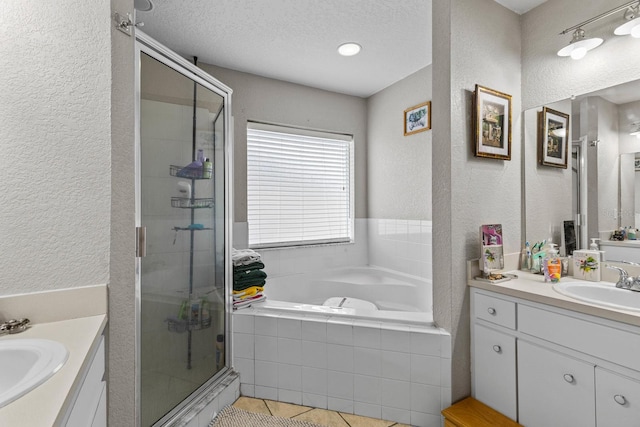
14 326
622 280
634 284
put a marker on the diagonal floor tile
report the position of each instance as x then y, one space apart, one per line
249 404
323 417
360 421
285 410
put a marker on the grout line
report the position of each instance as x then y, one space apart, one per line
343 418
268 409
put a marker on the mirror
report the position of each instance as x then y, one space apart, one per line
600 188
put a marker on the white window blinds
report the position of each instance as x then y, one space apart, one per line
298 187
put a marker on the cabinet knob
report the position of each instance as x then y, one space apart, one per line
491 310
619 399
497 349
568 378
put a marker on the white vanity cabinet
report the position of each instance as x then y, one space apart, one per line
546 366
554 389
90 406
617 399
494 350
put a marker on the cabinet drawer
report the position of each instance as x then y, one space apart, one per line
617 400
495 310
554 389
494 370
606 342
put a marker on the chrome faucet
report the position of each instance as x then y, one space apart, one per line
625 281
14 326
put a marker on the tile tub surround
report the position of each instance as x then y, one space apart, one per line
384 371
401 245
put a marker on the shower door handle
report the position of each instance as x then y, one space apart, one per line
141 242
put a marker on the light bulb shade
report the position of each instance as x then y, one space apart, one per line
628 28
635 129
580 47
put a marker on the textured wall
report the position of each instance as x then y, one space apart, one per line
482 37
55 152
548 78
398 166
546 189
274 101
121 366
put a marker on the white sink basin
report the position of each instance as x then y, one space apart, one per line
27 363
605 294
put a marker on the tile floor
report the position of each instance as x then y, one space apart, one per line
305 413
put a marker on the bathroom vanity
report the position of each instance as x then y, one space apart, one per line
75 395
545 359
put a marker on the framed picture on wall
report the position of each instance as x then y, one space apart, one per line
417 118
492 119
553 137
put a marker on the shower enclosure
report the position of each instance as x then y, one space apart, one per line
183 211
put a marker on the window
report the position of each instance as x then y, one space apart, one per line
299 188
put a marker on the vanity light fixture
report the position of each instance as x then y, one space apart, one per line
580 45
635 129
349 49
632 26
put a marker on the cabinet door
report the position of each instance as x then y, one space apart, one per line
617 400
494 370
554 389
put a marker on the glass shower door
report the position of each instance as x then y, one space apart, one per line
181 204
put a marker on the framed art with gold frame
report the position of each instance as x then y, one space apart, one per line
553 137
417 118
492 121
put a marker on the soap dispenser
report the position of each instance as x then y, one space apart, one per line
552 264
594 247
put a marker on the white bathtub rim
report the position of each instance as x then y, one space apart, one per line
397 320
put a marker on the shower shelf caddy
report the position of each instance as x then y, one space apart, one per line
190 323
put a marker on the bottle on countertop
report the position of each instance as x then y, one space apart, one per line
631 233
595 247
207 168
552 265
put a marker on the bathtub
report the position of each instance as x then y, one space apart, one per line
398 297
389 362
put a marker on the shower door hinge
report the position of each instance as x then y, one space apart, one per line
125 22
141 242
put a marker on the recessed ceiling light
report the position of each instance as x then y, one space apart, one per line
349 49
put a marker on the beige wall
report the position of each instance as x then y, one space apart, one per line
274 101
55 153
398 166
474 42
121 362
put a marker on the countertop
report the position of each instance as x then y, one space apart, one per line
532 287
75 318
622 243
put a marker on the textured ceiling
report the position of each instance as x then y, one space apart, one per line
296 40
